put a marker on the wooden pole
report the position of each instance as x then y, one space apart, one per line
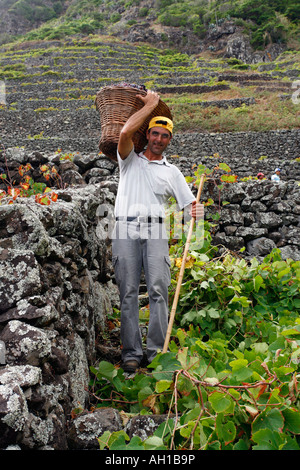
181 272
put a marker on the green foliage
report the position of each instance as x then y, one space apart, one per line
143 11
36 10
215 397
230 378
12 71
170 59
269 21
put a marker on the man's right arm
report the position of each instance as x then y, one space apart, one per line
135 121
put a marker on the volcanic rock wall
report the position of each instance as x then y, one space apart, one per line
247 153
55 295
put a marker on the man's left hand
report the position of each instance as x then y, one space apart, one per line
197 210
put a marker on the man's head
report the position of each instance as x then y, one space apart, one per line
161 121
277 171
159 134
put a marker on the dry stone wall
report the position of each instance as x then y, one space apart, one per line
55 295
247 153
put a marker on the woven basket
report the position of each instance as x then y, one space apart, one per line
115 105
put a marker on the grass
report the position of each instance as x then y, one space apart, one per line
268 113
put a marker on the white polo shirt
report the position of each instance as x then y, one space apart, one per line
145 187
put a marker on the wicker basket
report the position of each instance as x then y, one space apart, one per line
115 105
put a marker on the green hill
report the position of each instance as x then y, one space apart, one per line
264 23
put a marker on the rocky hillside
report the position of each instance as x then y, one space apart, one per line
241 28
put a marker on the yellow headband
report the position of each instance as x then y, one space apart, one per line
161 121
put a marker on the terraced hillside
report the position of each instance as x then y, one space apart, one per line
50 88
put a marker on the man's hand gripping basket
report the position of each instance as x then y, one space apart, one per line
115 104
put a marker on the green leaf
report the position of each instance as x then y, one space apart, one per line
228 178
224 167
244 301
135 443
115 441
219 402
260 348
258 282
119 443
292 420
225 431
107 370
165 428
290 332
240 371
212 381
290 444
104 439
204 285
162 385
269 419
267 439
295 356
144 393
284 272
213 313
238 364
154 443
240 445
165 365
279 343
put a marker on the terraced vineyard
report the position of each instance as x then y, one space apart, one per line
51 87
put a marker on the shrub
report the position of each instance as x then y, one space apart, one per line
143 11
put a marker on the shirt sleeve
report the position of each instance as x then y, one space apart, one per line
124 163
182 192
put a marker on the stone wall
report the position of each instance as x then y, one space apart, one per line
55 295
57 289
263 208
246 153
258 216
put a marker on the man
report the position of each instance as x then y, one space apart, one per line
276 176
140 240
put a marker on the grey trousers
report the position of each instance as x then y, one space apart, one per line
135 248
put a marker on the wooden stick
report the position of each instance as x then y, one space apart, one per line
181 272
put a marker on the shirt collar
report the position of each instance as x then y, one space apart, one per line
163 161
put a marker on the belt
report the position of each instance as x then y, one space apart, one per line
140 219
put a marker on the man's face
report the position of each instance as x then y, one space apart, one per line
158 139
